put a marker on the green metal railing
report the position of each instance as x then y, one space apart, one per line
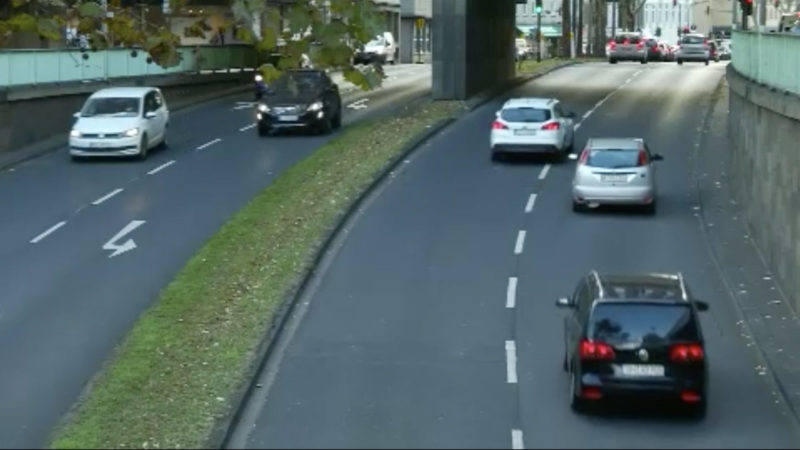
769 58
33 67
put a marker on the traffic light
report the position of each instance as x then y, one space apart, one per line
658 32
747 7
674 3
538 7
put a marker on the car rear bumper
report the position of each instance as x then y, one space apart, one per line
628 56
616 195
694 56
663 388
526 148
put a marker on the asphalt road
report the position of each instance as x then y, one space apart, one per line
65 302
414 339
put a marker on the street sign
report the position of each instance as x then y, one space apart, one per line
420 23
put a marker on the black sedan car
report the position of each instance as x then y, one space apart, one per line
635 337
300 99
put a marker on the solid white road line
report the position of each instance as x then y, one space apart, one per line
544 171
107 196
520 242
531 202
252 125
516 440
511 362
511 292
578 126
48 232
209 144
161 167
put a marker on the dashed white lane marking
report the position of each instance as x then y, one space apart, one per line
608 96
48 232
578 126
516 440
161 167
531 202
520 242
107 196
252 125
209 144
544 171
511 293
511 362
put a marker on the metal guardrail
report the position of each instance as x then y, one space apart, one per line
769 58
33 67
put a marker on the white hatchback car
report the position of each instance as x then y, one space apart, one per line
532 125
125 121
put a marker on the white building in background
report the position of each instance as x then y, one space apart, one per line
662 14
551 12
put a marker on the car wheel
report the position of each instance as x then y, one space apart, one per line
650 209
263 130
75 158
337 120
706 62
326 127
644 61
143 147
680 62
575 402
164 141
612 61
498 156
577 207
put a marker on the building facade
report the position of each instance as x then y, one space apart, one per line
416 31
668 17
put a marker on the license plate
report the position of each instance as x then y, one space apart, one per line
95 145
614 178
525 132
287 118
642 370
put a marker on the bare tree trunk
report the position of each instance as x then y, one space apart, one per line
579 44
626 19
565 28
599 23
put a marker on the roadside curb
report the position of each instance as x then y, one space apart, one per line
221 437
225 429
55 143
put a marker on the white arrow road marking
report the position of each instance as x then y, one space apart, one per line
127 245
359 104
244 105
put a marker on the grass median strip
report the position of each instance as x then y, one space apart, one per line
531 66
176 372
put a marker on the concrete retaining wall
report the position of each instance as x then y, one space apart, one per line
33 114
765 134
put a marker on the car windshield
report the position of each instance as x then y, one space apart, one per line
297 82
112 106
693 40
525 115
613 158
642 323
377 42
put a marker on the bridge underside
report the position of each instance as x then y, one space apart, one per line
473 46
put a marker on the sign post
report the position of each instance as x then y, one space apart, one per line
420 26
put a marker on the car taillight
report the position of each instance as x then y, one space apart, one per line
686 353
584 157
612 45
642 158
551 126
705 43
639 45
497 125
597 351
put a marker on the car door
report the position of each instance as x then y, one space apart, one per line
163 113
332 96
151 123
576 320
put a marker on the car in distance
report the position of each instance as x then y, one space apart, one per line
627 47
122 121
694 47
532 125
635 337
615 171
300 99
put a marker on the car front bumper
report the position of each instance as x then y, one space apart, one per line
613 195
308 119
88 147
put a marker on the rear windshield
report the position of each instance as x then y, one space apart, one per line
534 115
693 40
642 323
112 106
632 39
613 158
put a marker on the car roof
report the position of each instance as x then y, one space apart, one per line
531 102
661 288
615 142
123 92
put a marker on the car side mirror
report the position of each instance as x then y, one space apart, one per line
701 305
150 115
77 115
564 302
573 156
657 157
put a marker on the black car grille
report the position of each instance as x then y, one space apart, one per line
101 135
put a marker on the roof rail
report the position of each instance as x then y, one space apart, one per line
599 284
684 294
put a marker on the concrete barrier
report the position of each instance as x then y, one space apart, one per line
33 115
765 134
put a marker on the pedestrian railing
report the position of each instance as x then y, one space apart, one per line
33 66
769 58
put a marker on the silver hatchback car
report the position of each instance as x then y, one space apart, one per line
615 171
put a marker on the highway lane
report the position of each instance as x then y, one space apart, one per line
65 302
417 336
403 343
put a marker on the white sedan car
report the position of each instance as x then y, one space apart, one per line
126 121
532 125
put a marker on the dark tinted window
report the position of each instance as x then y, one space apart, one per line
642 323
613 158
298 81
625 38
103 106
693 40
525 115
641 290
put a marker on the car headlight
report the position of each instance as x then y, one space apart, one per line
132 132
316 106
75 133
263 107
259 78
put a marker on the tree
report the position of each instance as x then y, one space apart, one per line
329 31
628 10
566 28
599 14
